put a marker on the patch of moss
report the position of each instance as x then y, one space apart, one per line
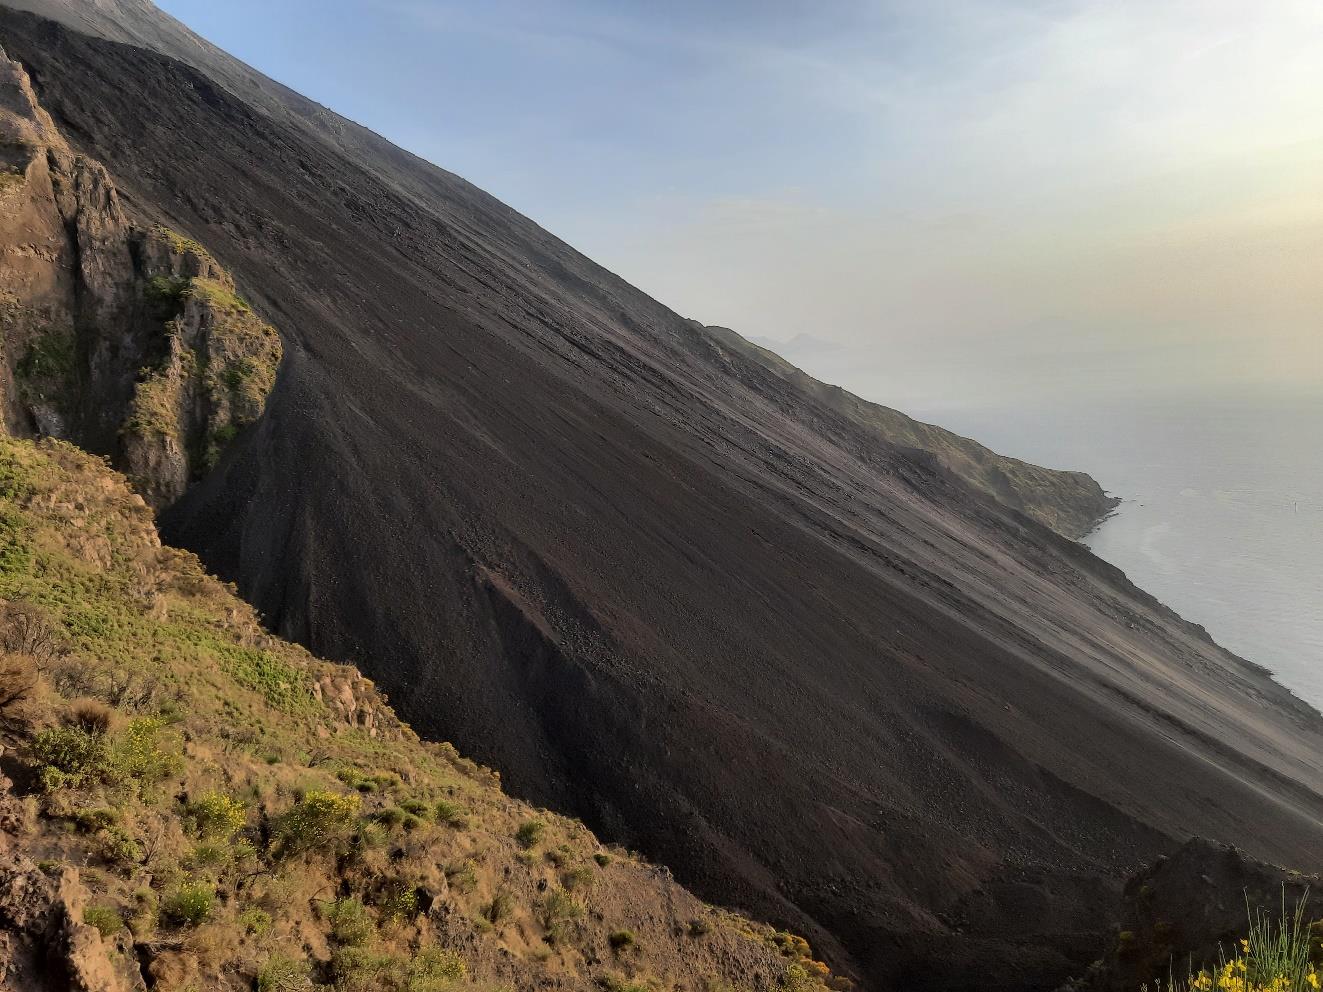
154 411
164 296
217 295
47 366
180 244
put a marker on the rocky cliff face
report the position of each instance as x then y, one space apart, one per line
128 339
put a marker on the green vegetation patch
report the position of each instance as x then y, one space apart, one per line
218 295
154 412
284 686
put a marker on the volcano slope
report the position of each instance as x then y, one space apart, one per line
660 582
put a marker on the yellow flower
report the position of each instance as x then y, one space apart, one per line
1313 980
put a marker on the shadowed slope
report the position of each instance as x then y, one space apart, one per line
595 546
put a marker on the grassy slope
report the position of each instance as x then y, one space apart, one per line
220 790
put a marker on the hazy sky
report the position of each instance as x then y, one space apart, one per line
936 202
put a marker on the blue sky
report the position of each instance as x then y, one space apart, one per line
939 202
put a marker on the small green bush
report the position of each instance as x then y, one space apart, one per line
255 921
75 756
560 905
578 878
416 807
92 820
602 858
462 877
68 756
282 974
620 939
435 969
351 926
319 820
119 847
216 816
51 356
190 905
209 855
451 814
400 903
164 296
558 909
530 833
105 918
617 983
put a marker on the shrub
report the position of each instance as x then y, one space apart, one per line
105 918
462 877
578 878
796 979
699 927
164 296
451 814
319 819
434 969
389 816
18 680
415 807
92 820
1274 956
400 903
136 755
209 855
558 908
67 756
119 847
188 906
91 715
26 630
530 833
216 816
75 756
255 921
620 939
282 974
51 356
351 926
616 983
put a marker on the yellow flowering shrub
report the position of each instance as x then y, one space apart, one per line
1273 957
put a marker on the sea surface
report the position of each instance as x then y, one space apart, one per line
1222 516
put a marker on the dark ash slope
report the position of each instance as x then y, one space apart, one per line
607 552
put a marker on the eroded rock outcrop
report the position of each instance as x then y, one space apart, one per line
1189 911
44 943
129 340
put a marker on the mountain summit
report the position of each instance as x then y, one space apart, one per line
841 670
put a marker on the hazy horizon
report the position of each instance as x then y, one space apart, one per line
933 204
